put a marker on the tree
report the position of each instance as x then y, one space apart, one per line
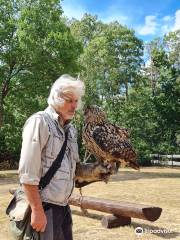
9 49
165 94
36 48
172 46
86 29
151 70
111 61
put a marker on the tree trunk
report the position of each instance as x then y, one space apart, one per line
127 89
153 78
3 93
1 110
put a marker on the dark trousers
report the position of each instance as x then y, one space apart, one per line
59 223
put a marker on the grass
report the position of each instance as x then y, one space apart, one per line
152 186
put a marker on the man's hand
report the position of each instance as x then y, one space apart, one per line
38 219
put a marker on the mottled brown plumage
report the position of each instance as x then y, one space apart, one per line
106 141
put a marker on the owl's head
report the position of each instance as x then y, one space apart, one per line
94 114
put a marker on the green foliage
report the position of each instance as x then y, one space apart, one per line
166 93
38 45
137 114
36 48
111 59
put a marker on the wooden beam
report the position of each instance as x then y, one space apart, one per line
125 209
112 221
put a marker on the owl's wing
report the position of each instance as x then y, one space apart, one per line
113 141
124 132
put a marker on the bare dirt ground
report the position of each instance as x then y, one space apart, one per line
152 186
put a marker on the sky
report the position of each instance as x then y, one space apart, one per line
149 18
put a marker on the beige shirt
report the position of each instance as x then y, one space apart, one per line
43 138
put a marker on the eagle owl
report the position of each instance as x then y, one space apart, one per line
106 141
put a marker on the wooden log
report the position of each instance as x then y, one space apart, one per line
112 221
125 209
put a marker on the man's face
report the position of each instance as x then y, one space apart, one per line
68 108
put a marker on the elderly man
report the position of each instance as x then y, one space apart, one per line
43 137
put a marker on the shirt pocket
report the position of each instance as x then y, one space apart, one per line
62 173
58 141
74 150
54 145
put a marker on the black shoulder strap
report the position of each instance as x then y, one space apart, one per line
45 180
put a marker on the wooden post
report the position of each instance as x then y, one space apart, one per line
124 209
112 221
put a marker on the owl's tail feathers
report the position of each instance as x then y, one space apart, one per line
134 165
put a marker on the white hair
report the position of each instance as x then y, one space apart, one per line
63 85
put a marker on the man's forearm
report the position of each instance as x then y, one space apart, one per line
33 196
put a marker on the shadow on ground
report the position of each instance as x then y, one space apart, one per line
147 228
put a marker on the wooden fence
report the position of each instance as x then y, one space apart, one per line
165 159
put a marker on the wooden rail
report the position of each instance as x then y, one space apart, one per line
122 212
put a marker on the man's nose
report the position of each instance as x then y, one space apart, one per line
74 105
